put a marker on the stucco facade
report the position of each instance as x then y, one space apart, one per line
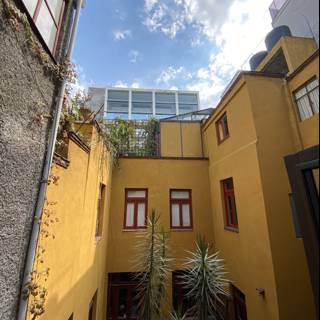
264 257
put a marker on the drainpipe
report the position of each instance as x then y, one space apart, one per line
23 303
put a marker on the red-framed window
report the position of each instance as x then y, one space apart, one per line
100 210
47 16
180 209
231 219
136 205
222 128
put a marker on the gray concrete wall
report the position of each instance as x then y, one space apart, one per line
302 17
27 92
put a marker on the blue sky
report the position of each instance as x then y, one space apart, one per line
169 44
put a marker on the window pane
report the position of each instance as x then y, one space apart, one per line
228 184
300 93
31 6
305 110
55 7
187 98
130 215
165 97
136 194
180 195
118 95
221 131
46 26
118 106
142 107
185 108
141 214
314 97
141 96
313 84
175 215
165 108
186 215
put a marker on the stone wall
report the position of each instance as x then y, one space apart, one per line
27 102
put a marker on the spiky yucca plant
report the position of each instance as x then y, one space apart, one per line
177 316
205 281
153 263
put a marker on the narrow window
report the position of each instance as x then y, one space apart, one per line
231 220
47 16
100 210
222 128
181 209
135 208
307 99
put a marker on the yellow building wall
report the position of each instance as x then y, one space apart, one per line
270 110
309 128
181 139
247 252
295 49
158 176
77 260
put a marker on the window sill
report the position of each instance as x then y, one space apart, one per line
181 229
135 230
236 230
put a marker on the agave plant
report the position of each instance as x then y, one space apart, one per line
177 316
153 263
205 281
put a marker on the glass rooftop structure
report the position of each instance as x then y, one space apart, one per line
140 104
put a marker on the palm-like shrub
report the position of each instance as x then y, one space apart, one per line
152 261
205 281
177 316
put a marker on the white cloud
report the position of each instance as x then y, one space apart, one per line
122 84
235 29
134 56
121 34
170 74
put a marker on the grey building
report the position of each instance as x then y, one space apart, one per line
301 16
28 102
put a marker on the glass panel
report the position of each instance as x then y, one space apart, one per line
136 194
46 26
305 110
142 107
186 215
165 108
55 7
314 97
31 6
120 95
118 106
313 84
130 215
141 96
228 184
225 125
187 98
141 215
175 215
162 97
300 93
221 131
179 194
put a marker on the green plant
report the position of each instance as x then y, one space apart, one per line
204 279
175 315
116 136
153 261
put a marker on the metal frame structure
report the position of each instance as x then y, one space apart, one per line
154 112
